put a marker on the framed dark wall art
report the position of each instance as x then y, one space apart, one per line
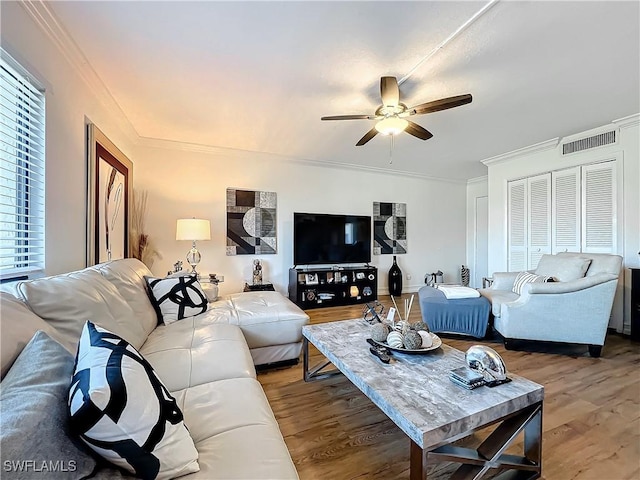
251 222
109 187
389 228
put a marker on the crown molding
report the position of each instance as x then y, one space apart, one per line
482 179
41 13
538 147
148 142
627 122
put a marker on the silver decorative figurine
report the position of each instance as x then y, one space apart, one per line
486 361
257 272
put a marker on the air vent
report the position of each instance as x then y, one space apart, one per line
590 142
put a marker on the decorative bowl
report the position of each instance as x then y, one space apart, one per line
436 344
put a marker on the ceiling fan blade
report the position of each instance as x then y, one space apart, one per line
442 104
367 136
389 91
349 117
418 131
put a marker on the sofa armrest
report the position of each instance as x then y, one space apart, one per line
567 287
503 280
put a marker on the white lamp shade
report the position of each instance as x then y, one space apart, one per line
193 229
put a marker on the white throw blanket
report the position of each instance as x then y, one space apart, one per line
457 291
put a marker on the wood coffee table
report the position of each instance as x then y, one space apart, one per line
415 392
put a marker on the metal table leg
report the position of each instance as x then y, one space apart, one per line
315 372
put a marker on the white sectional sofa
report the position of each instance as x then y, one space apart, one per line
205 361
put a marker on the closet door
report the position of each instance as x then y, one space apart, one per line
565 221
599 215
538 218
517 225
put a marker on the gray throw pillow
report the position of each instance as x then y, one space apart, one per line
34 422
563 268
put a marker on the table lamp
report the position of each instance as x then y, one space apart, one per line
193 229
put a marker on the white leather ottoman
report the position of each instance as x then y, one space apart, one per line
271 323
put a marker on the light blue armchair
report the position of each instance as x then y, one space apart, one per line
574 309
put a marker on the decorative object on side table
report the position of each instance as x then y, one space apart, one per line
193 229
395 279
177 267
465 275
487 282
257 272
211 287
432 279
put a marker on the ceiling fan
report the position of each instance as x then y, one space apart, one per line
392 113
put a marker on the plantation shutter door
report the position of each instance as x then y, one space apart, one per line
565 194
538 218
599 222
517 225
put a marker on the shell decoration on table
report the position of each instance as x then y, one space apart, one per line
427 340
380 331
412 340
395 339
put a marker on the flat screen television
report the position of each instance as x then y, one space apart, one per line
330 239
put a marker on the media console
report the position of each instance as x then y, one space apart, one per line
331 286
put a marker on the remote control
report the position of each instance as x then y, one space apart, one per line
384 358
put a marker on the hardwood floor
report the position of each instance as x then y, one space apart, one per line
591 416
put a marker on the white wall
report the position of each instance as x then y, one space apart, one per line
69 100
547 157
185 182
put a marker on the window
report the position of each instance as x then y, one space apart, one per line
22 180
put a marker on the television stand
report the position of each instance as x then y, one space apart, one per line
331 287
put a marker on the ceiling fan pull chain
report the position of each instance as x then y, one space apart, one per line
391 150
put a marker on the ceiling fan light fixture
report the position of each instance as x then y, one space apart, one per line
391 125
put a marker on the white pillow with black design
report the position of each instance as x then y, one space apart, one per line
526 277
175 298
120 408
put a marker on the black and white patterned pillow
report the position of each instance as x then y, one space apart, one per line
526 277
175 298
121 409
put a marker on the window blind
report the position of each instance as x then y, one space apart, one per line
22 169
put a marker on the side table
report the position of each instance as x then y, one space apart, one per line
258 287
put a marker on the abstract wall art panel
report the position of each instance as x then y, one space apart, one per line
389 228
251 222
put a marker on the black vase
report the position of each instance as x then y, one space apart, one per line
395 279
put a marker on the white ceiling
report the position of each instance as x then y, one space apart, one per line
258 76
